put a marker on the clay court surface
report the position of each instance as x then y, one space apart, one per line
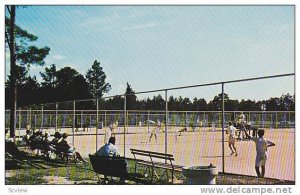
201 147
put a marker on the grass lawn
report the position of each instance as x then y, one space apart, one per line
40 171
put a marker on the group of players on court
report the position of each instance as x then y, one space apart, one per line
236 131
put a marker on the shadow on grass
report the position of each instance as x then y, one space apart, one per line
39 170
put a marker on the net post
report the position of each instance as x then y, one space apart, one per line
223 129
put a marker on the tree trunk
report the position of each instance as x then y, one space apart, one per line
13 87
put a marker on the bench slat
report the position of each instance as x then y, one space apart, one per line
150 152
161 165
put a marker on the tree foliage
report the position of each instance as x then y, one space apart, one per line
22 52
96 78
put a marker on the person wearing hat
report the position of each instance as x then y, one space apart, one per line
63 142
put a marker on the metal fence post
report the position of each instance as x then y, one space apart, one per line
105 118
223 129
186 120
97 118
81 119
74 118
20 121
30 117
166 125
125 121
35 122
148 118
56 107
42 121
289 125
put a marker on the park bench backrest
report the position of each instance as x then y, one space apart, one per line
111 166
151 154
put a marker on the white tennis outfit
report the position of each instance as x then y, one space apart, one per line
232 130
261 150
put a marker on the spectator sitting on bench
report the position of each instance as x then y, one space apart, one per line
46 138
46 142
26 137
35 141
7 137
63 143
109 149
56 138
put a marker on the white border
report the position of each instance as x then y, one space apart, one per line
131 190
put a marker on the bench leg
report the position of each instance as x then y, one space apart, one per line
157 176
135 167
152 171
98 178
167 175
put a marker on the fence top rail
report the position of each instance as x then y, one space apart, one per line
217 83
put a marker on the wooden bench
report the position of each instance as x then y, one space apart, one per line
109 166
164 163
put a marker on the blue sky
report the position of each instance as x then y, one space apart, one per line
153 47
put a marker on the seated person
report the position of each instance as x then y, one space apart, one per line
11 148
46 142
26 137
56 138
46 138
109 149
64 144
7 137
36 142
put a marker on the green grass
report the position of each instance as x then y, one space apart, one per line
34 171
38 170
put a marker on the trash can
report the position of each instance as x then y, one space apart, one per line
200 175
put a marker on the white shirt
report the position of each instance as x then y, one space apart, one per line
108 150
261 144
242 118
232 130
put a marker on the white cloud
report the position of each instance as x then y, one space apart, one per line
54 58
139 27
58 57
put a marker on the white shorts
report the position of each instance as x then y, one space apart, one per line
231 139
154 131
260 160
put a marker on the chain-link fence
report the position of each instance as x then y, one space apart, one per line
193 137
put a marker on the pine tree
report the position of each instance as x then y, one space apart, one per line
96 78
